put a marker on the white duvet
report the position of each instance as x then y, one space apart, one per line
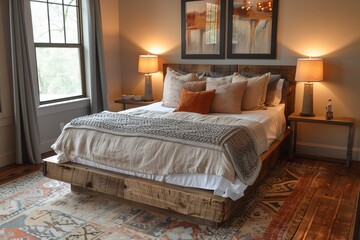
266 126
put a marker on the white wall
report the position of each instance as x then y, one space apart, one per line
324 28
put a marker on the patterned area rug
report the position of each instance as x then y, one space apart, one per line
35 207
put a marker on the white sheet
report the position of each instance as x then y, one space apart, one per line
274 122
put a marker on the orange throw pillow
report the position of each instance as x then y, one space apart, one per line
198 102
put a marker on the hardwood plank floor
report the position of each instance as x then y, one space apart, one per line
335 201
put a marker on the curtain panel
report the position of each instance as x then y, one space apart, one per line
25 116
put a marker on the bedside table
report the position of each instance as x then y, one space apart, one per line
134 102
344 121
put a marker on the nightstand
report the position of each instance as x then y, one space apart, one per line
343 121
134 102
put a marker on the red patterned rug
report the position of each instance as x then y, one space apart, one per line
35 207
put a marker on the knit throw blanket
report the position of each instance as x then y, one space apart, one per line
235 141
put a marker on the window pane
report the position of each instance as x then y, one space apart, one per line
56 23
40 22
71 24
59 73
71 2
56 1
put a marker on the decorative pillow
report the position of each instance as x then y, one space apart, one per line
278 93
213 83
255 92
195 86
198 102
228 98
271 90
173 84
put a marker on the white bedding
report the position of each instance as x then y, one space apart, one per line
272 120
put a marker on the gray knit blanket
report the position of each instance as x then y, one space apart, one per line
235 141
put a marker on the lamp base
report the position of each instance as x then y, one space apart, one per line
307 114
307 107
148 88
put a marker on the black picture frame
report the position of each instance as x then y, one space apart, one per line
203 21
251 38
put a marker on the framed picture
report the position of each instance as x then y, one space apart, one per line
252 29
203 29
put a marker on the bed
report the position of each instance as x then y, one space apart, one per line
181 183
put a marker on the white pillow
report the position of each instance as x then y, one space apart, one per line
173 85
255 92
278 92
214 83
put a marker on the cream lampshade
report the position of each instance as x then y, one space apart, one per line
308 70
148 64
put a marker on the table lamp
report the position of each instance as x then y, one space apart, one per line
148 64
308 70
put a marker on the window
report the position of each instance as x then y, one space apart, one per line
58 48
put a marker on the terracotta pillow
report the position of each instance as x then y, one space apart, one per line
228 98
198 102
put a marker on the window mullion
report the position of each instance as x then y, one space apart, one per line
63 7
48 15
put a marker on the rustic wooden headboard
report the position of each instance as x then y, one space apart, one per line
286 72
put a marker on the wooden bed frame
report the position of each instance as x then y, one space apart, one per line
197 203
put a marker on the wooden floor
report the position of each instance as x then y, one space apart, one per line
335 201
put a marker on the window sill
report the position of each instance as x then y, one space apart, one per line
53 108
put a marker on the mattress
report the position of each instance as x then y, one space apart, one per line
272 120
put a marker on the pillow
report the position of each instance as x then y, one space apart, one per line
228 98
213 83
173 84
271 90
203 74
278 93
195 86
198 102
255 92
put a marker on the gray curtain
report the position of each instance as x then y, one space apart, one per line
25 117
96 78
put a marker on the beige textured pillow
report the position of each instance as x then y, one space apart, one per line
228 98
196 86
255 92
173 85
213 83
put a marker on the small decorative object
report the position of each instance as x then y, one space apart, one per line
137 98
127 97
308 70
148 64
329 111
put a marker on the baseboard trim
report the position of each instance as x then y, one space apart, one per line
7 159
326 150
45 146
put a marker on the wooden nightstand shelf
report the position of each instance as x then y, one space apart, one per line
134 102
344 121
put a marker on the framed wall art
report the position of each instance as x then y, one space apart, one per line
252 26
203 29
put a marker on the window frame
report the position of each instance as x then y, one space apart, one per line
79 46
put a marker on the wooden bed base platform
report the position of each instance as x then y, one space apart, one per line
196 203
